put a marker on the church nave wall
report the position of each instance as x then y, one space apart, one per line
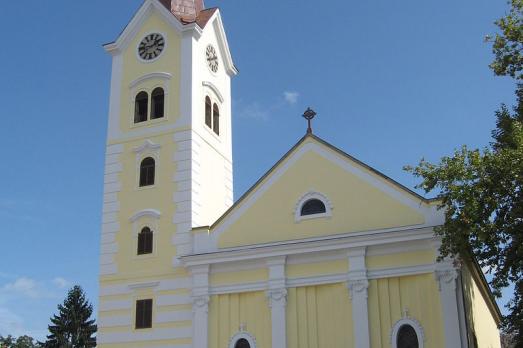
231 313
417 297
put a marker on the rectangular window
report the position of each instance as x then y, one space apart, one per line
144 314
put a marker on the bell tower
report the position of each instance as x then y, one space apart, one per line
168 167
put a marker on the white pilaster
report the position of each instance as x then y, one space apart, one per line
200 300
446 275
277 296
358 285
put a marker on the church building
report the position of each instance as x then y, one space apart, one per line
322 251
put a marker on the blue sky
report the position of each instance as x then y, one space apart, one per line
392 82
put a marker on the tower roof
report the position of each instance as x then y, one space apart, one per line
187 11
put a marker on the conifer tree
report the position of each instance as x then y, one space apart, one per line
72 326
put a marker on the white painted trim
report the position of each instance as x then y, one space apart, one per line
446 276
407 321
132 29
153 213
223 44
312 194
358 285
313 245
432 215
143 285
147 145
212 87
246 336
154 75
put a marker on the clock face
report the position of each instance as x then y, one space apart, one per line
151 46
212 58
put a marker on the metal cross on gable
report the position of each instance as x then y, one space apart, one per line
309 114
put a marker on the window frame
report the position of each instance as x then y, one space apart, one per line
216 119
412 323
298 217
136 308
154 180
152 111
136 108
242 335
146 231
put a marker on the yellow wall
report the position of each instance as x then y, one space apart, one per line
358 206
133 69
483 330
423 257
389 297
228 312
319 316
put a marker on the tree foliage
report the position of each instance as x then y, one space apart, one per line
20 342
481 191
72 327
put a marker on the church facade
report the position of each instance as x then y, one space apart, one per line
323 251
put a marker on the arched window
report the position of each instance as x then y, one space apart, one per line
242 343
140 107
208 112
145 241
313 206
216 119
407 337
147 169
157 103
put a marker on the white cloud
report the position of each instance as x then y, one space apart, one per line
252 111
291 97
61 282
23 286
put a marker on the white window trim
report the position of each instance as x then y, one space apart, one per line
148 149
137 86
245 335
407 321
210 130
138 223
305 198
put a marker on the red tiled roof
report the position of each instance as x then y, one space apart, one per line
202 17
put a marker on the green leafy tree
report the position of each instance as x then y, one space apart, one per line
481 191
72 327
20 342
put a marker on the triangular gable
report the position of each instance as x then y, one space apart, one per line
207 16
362 199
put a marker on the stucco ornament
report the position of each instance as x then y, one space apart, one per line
406 320
277 297
358 286
446 277
200 303
242 334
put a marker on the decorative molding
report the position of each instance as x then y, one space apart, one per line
147 146
212 87
242 334
154 75
277 297
200 303
358 286
406 320
153 213
143 285
446 277
312 194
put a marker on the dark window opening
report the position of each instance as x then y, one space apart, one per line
144 314
407 337
216 119
147 172
145 241
208 112
157 103
140 107
313 206
242 343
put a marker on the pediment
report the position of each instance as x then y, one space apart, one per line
358 199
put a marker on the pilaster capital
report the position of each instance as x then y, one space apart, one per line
200 303
358 287
446 277
277 297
